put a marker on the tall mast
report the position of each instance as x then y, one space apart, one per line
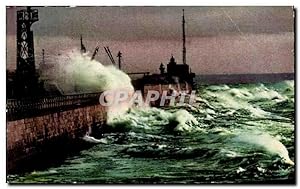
183 39
43 55
119 59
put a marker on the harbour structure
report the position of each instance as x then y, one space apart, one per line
38 122
26 80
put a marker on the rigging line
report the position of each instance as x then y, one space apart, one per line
239 30
106 50
108 54
111 55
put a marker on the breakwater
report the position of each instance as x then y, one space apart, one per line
44 123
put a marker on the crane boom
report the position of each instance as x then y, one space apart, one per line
95 52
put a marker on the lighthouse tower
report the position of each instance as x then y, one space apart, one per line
26 81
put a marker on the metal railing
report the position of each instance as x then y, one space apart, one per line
30 107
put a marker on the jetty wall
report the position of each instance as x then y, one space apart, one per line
30 136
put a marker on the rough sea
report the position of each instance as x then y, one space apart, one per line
232 134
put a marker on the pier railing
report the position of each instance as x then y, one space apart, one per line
30 107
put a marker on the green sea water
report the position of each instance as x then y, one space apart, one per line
231 134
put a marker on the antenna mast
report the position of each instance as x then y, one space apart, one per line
183 39
119 59
43 54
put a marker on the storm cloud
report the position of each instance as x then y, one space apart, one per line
219 39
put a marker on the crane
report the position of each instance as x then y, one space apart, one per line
95 52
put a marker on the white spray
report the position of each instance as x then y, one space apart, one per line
77 73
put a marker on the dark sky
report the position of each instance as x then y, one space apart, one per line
219 39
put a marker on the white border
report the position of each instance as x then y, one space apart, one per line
118 3
155 2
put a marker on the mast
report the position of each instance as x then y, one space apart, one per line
43 55
183 39
119 59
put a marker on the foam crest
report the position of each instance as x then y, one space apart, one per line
268 143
